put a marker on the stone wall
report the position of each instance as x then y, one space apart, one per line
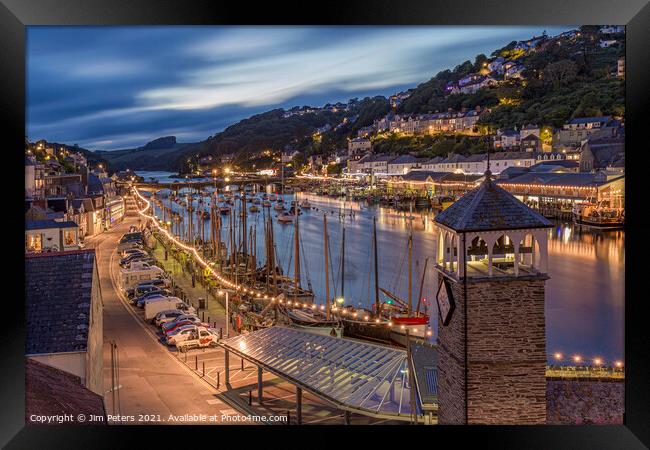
576 402
506 354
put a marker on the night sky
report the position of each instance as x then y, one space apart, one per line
120 87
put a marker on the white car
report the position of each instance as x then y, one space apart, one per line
201 337
180 335
167 316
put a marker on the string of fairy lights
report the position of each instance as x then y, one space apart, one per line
363 318
580 360
240 287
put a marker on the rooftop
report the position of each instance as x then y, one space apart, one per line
490 207
602 119
51 391
355 375
57 301
48 224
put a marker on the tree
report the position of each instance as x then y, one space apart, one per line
560 73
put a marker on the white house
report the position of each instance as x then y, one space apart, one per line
49 235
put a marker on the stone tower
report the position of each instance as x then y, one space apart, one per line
491 264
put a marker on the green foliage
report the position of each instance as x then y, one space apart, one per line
431 145
335 169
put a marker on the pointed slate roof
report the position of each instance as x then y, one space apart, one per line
490 207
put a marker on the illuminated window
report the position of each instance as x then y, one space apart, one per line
69 237
34 242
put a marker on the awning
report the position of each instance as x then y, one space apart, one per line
353 375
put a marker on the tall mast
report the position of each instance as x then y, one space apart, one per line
410 305
374 242
327 272
343 261
424 272
297 250
244 227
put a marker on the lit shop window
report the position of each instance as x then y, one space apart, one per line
69 237
34 242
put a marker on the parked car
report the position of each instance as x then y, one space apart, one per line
142 290
158 283
167 316
133 257
131 251
201 337
181 334
178 319
152 306
183 323
139 301
144 259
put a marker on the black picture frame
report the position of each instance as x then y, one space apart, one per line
15 15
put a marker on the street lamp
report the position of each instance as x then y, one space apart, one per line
227 314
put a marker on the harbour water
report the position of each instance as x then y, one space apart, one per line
584 295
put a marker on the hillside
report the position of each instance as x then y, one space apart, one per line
563 77
279 130
159 154
548 81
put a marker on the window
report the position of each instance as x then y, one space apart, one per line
34 242
69 237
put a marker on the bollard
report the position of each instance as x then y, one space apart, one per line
203 316
288 417
196 362
250 398
214 325
220 333
218 379
203 369
242 364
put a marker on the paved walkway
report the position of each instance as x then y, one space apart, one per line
214 313
154 386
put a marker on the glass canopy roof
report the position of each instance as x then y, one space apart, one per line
356 375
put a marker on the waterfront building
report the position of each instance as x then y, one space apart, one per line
428 183
603 154
63 315
491 265
567 188
404 164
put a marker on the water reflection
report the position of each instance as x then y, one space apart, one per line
584 295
